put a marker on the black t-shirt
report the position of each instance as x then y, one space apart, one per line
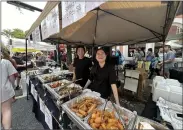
82 69
102 79
19 61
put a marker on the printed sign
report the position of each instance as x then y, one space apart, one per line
48 118
42 105
33 92
50 25
73 11
27 80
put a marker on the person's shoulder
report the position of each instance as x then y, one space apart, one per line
5 61
110 66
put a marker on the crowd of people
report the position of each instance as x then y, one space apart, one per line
154 61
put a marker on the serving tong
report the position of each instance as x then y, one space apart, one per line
121 120
69 84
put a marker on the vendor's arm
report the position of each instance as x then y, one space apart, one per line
93 69
112 81
115 93
21 65
74 70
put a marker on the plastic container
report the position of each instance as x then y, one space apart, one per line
155 125
161 92
173 82
157 79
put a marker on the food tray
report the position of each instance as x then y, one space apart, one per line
66 106
62 81
59 97
110 108
155 125
59 77
125 114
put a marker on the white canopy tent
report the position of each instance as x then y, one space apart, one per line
20 43
174 44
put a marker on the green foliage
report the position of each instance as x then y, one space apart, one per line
15 33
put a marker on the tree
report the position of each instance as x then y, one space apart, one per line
15 33
18 33
7 33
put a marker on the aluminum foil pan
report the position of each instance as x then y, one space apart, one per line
56 94
127 115
155 125
56 77
123 113
66 106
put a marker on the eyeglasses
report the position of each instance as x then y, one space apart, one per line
100 54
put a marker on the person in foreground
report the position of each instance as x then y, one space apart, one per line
8 73
103 77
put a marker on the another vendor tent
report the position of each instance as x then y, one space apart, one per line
18 45
174 44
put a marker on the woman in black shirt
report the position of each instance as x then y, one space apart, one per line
103 77
81 66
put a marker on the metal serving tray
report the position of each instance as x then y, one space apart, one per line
58 75
124 113
155 125
72 115
60 97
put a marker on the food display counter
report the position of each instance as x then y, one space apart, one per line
60 103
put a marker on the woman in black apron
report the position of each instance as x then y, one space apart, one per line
103 77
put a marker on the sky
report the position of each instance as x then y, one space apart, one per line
12 18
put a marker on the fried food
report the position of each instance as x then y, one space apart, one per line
104 120
85 106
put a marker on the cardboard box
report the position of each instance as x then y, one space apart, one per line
142 82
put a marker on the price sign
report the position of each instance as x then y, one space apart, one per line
33 92
44 28
92 5
42 105
54 21
27 80
71 12
48 118
50 25
32 89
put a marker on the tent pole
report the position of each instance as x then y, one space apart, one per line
94 38
26 68
163 56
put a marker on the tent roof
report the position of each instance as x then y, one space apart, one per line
119 23
48 7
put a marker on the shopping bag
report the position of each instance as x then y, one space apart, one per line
147 65
140 64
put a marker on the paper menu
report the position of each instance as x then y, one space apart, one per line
27 80
48 118
33 92
42 105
